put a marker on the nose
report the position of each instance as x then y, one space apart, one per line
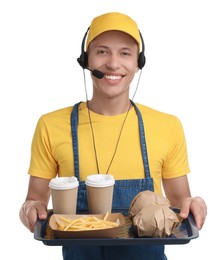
113 62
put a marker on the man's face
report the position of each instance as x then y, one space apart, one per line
115 54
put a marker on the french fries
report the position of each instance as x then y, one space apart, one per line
85 223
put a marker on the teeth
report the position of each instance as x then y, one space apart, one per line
112 77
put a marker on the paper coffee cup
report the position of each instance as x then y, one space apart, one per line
64 194
100 189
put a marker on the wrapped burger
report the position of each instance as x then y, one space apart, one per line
155 220
145 198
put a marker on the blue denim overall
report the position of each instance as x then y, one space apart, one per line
124 192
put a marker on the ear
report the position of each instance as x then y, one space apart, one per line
137 69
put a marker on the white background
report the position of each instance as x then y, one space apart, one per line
40 42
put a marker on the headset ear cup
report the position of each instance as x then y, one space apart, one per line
141 60
83 60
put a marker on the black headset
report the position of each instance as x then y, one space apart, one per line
83 59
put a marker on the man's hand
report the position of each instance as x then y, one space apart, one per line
31 211
197 206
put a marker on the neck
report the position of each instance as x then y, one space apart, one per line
109 107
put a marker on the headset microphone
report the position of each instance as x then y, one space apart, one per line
83 62
96 73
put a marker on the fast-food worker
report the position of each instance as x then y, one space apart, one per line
141 147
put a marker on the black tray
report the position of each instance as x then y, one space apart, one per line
182 234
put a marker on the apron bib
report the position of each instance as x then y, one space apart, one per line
124 192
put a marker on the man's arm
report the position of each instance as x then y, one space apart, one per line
35 205
178 192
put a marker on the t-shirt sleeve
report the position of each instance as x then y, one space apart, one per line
42 163
176 163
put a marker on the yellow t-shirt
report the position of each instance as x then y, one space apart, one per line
52 151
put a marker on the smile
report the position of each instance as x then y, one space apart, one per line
112 77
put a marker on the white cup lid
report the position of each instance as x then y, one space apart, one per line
64 183
100 180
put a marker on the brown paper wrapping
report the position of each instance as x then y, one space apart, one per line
155 220
145 198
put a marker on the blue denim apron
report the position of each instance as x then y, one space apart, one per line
124 192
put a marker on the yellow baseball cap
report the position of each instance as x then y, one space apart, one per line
113 21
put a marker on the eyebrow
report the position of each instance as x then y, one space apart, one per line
106 47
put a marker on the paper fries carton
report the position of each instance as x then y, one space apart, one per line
96 233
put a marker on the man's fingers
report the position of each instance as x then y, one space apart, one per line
198 208
185 209
32 211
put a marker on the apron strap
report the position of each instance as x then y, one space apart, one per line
74 128
142 141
